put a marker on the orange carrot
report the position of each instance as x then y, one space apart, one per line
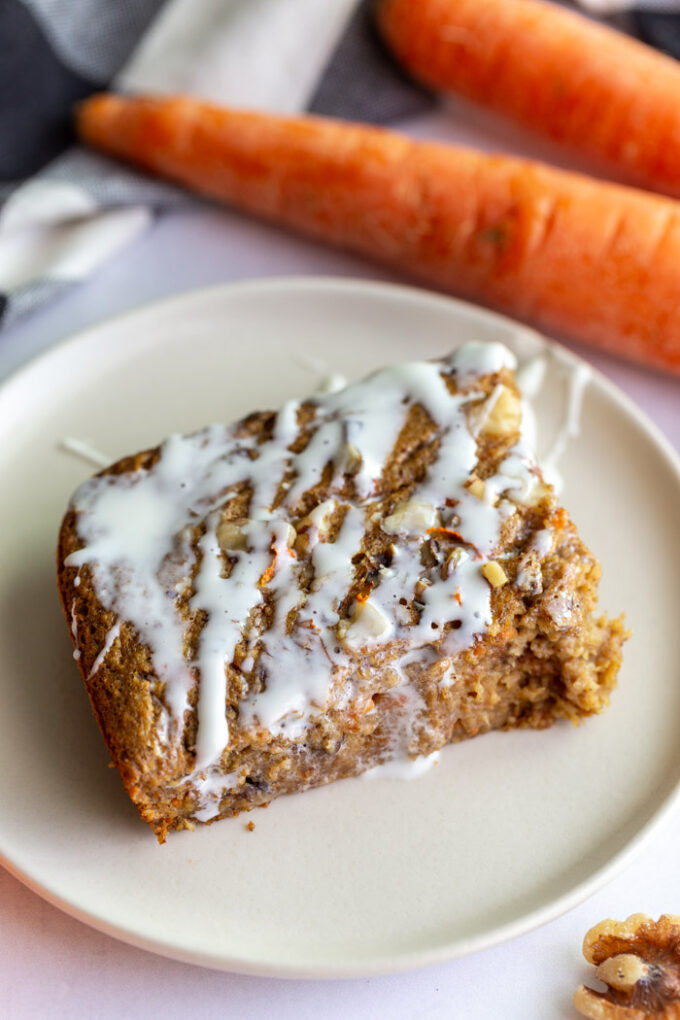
456 536
447 533
560 74
596 261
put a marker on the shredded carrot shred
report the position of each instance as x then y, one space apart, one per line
449 532
559 518
456 535
271 569
268 574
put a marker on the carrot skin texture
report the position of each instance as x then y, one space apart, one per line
556 72
595 261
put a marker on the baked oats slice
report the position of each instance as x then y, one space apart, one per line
304 595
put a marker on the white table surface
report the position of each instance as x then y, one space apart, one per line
52 966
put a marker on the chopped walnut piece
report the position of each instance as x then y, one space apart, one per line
368 622
498 415
505 414
321 518
231 535
494 574
413 517
529 578
477 487
639 961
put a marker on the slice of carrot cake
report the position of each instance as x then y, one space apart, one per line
267 606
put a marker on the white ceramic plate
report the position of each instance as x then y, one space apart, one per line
361 877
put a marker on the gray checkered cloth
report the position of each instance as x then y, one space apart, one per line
64 211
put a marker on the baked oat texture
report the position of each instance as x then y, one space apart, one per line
545 654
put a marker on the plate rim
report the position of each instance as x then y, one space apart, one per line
282 282
403 960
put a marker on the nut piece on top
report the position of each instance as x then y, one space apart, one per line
639 961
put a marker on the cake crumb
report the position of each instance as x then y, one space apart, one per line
250 826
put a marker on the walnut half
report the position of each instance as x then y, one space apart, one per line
639 961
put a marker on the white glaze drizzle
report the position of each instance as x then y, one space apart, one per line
478 358
579 377
542 542
81 448
530 376
111 636
210 787
403 767
332 383
74 630
137 541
